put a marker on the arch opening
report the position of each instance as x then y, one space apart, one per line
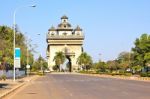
67 65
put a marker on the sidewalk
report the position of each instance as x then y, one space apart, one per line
9 85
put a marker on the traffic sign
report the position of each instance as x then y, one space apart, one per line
17 63
28 66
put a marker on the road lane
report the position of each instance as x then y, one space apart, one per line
72 86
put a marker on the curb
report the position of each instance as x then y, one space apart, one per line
123 78
10 91
16 87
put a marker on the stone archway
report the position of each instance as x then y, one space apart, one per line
69 64
67 53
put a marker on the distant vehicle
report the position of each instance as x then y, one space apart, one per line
47 71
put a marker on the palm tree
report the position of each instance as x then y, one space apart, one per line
84 60
59 58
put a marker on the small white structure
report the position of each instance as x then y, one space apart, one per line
66 39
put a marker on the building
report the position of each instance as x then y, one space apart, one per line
66 39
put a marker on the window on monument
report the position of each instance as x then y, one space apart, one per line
64 20
65 33
64 26
78 33
52 34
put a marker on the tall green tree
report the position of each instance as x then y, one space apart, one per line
142 50
59 58
84 60
124 56
100 66
40 64
125 60
112 65
6 46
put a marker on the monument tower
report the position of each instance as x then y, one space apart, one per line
66 39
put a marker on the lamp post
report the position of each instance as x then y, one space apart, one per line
14 30
40 57
28 40
99 57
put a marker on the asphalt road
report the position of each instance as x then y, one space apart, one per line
72 86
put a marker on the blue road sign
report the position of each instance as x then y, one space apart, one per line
17 53
17 57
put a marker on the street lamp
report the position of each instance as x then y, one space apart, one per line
14 29
28 40
99 57
40 56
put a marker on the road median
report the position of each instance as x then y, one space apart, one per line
147 79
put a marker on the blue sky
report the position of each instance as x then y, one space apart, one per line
110 26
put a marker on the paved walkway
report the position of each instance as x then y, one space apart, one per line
9 85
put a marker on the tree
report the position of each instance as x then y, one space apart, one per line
136 69
59 58
40 64
123 66
84 60
124 60
6 47
36 66
142 50
112 65
124 56
100 66
55 67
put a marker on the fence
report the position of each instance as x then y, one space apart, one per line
9 73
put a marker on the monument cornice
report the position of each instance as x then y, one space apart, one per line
64 37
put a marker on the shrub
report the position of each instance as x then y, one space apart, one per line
144 74
40 73
86 72
148 74
55 67
128 74
3 77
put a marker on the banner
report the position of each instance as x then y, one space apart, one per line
17 58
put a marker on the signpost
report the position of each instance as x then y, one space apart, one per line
17 61
28 66
28 69
17 58
17 55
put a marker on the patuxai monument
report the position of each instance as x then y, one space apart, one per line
66 39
